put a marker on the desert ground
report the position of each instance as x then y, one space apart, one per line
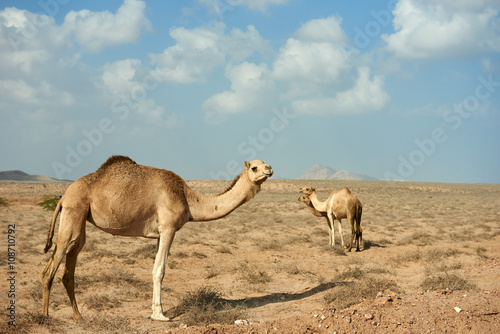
430 263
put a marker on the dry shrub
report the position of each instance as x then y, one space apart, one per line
273 245
30 323
418 238
445 281
103 323
436 253
352 293
102 302
206 306
356 273
3 202
224 249
147 252
252 275
336 250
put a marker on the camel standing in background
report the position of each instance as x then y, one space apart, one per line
339 205
124 198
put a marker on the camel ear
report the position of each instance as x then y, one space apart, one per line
247 164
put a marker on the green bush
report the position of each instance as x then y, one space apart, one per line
49 202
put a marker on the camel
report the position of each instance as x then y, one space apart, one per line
339 205
128 199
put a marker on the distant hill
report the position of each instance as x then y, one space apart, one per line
318 172
20 176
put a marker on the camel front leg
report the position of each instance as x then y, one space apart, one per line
331 221
164 244
329 232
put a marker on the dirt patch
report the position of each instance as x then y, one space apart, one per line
430 263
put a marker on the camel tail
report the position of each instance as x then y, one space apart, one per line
359 212
48 245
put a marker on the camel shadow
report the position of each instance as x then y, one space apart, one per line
255 302
369 244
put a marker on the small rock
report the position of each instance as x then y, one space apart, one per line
323 317
458 309
348 319
241 322
368 316
183 326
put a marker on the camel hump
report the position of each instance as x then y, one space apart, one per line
116 159
347 190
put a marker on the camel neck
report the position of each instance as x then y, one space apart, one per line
211 207
319 206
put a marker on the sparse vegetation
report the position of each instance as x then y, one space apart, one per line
253 275
49 202
353 292
204 306
3 202
264 269
445 281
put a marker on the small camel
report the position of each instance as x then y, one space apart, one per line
339 205
127 199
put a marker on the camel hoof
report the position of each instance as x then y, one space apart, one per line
160 317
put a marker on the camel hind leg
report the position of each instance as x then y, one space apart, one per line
351 219
340 232
70 240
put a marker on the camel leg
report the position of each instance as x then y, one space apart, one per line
164 244
331 221
359 236
69 235
48 277
69 276
350 218
340 231
329 232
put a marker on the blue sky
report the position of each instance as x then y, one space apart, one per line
406 90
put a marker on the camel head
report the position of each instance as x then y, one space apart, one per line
307 190
258 171
305 199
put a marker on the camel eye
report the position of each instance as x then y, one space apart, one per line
254 169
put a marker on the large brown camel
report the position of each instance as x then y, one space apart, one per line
339 205
124 198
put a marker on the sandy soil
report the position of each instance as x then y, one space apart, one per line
436 245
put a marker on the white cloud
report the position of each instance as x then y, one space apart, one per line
316 53
251 89
324 77
196 52
220 6
367 95
118 77
446 29
199 50
310 61
322 30
129 81
96 30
